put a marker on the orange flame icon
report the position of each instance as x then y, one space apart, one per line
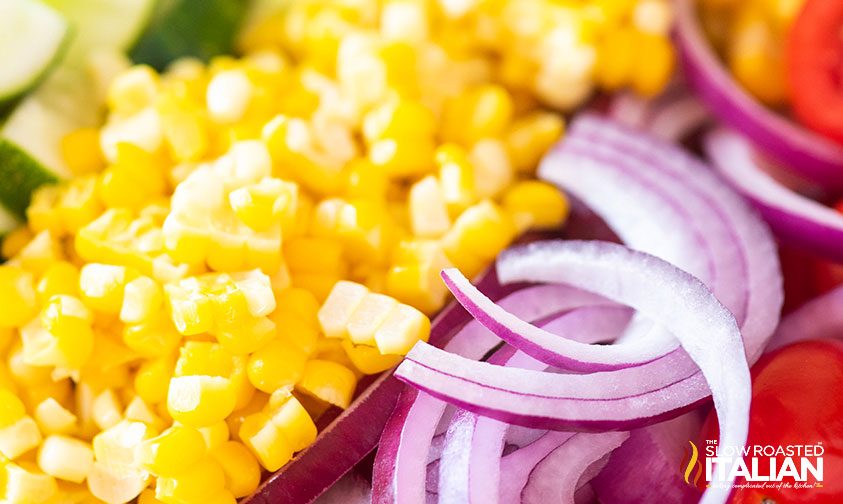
690 464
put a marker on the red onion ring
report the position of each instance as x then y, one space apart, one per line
797 220
812 155
819 318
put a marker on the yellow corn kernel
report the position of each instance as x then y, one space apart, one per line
325 217
172 452
60 390
26 485
482 230
413 277
78 204
456 177
288 414
266 441
493 170
102 286
328 381
401 330
201 482
186 132
16 239
616 58
19 437
276 365
530 137
242 472
214 435
365 180
428 211
23 373
60 277
483 112
338 308
135 178
269 202
111 485
153 379
228 95
139 411
536 205
365 229
17 296
63 336
199 401
399 119
314 255
42 215
65 458
368 316
148 497
655 63
40 253
11 408
133 90
319 284
142 298
191 311
80 150
243 389
399 157
107 411
53 418
300 302
292 328
204 358
369 360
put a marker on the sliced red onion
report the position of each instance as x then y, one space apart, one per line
797 220
822 317
399 466
518 465
750 235
671 297
671 116
556 477
471 459
815 157
646 467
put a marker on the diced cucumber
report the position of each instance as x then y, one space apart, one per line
20 174
199 28
33 37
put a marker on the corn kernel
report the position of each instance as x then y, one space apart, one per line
456 177
242 472
53 418
368 316
17 296
328 381
537 205
483 112
616 58
19 437
11 408
80 150
65 458
399 119
402 157
228 96
401 330
493 171
301 302
292 328
656 61
481 231
16 239
338 308
107 411
153 379
172 452
276 365
413 277
142 298
40 253
133 90
369 360
148 497
199 401
102 286
27 486
428 211
203 358
60 277
110 485
139 411
199 483
215 434
288 414
314 255
266 441
133 180
63 336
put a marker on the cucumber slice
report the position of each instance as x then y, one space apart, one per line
20 174
199 28
33 37
8 222
111 24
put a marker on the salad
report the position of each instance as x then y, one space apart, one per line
410 251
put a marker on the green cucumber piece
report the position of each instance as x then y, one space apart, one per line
198 28
20 175
33 37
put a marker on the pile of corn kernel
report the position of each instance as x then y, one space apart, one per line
750 35
243 240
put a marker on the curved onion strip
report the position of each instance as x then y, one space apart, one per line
671 116
399 465
817 158
821 317
798 220
644 468
518 464
680 302
764 284
471 458
357 430
556 477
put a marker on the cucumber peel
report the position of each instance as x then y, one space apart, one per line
20 175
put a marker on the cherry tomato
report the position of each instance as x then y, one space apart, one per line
815 67
796 401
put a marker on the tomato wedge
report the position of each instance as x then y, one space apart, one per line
815 67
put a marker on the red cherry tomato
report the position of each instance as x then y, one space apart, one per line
796 400
815 67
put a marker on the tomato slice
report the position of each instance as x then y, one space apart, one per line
795 401
815 67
